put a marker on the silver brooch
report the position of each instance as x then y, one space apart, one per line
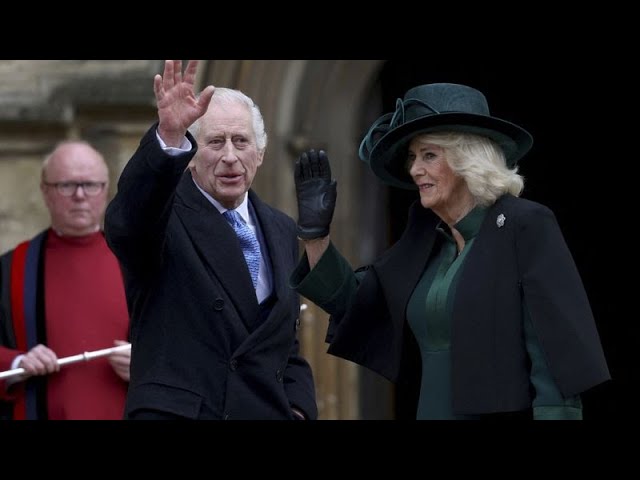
500 220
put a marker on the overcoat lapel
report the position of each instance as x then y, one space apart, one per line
216 242
274 236
401 269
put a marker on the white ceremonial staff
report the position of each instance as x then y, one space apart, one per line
82 357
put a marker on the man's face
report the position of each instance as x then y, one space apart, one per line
228 157
79 213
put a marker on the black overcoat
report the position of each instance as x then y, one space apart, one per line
198 349
521 263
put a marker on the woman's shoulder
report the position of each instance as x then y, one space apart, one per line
526 214
522 206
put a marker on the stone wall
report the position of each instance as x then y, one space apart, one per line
107 102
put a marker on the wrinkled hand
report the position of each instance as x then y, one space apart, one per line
40 360
316 193
120 361
178 106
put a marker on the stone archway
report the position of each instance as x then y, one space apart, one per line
110 103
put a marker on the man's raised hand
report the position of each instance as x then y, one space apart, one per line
178 105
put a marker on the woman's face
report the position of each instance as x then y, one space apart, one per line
439 186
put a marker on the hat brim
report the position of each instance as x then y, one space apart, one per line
388 157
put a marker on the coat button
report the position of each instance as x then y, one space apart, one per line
279 375
218 303
233 365
298 323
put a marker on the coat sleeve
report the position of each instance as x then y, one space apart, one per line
137 217
298 383
557 302
7 341
360 328
298 377
330 285
548 402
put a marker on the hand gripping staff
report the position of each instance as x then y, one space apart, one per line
81 357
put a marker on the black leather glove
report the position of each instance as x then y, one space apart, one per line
316 194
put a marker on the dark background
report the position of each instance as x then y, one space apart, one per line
574 106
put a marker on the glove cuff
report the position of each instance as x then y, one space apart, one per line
311 233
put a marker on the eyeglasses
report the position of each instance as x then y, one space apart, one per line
66 189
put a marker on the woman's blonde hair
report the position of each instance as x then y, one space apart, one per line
481 162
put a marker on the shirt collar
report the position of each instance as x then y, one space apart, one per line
468 226
242 209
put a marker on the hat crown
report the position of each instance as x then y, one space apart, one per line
424 101
437 98
436 107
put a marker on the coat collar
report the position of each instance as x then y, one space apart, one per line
401 268
403 265
216 242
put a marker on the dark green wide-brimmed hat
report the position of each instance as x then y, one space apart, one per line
435 107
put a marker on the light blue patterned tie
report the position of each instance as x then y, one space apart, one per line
248 242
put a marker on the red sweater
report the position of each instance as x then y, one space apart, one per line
85 310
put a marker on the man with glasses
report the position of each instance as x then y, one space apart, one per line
62 294
68 189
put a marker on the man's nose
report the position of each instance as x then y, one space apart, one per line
229 152
79 191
